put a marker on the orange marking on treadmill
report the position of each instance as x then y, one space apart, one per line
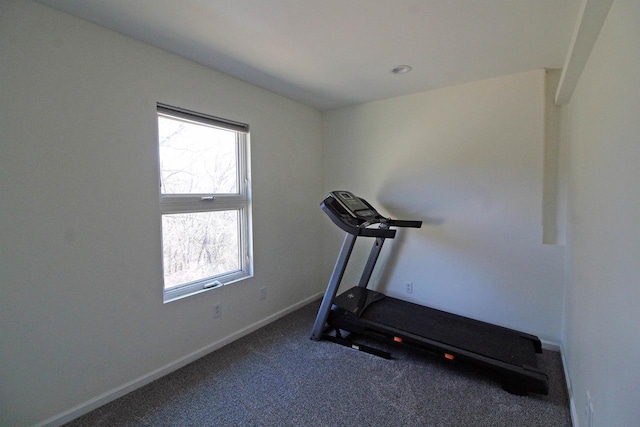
449 356
397 339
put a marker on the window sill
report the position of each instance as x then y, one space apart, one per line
198 288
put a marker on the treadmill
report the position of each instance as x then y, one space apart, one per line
363 312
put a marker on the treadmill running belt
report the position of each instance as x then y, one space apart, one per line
472 335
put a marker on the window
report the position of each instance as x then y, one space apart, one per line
204 201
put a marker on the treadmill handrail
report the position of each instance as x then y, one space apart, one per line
404 223
360 227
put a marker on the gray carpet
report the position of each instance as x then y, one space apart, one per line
277 376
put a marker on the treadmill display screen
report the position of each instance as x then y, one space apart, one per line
352 204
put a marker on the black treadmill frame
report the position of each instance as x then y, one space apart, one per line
350 314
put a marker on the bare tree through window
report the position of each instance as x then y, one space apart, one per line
202 160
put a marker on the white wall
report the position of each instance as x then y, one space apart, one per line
81 309
601 133
468 161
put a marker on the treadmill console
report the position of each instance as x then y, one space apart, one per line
353 205
356 216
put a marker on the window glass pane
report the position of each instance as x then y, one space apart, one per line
197 246
195 158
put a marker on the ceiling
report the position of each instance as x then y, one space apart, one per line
333 53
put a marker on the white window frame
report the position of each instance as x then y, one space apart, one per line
194 203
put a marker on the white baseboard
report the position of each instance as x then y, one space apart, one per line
113 394
556 346
572 402
551 345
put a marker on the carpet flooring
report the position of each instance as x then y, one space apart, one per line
277 376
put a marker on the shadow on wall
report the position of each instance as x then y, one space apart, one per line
388 261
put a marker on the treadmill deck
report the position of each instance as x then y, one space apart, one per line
478 337
506 350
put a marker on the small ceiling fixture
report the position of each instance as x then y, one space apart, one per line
401 69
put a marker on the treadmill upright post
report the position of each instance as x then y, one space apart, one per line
334 284
371 262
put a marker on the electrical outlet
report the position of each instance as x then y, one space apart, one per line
263 293
408 287
217 311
